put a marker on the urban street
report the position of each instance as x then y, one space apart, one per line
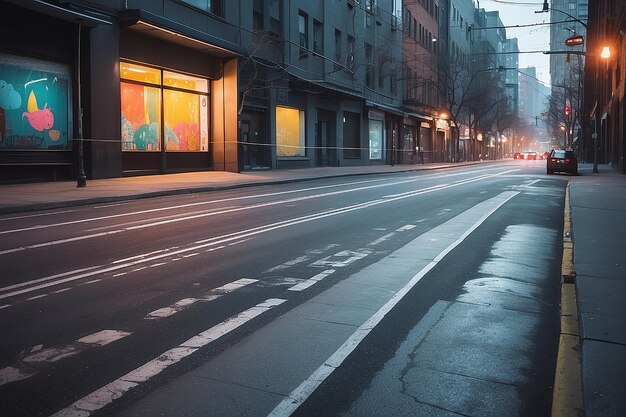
431 293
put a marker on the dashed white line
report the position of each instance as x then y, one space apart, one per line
104 337
210 296
288 264
381 239
311 281
37 297
98 399
406 228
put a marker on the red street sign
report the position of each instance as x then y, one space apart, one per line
575 40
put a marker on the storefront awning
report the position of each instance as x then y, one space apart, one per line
69 14
162 28
418 116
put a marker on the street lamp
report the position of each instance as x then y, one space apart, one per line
605 55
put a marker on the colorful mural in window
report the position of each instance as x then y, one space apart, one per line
185 113
34 108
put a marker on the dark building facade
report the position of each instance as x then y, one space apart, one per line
147 87
605 75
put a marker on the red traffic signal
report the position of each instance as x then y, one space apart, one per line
567 110
575 40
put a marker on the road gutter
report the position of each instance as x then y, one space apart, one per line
567 396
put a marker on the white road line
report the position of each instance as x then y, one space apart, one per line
311 281
341 259
201 244
406 228
173 309
11 374
93 402
382 239
291 403
210 296
288 264
36 297
51 354
104 337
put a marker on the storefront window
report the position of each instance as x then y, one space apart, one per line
376 139
184 106
34 104
289 132
141 117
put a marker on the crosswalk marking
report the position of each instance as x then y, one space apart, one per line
98 399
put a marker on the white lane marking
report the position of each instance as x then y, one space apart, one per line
210 296
531 183
242 234
61 290
311 281
341 259
59 242
406 228
116 389
288 264
93 281
190 255
36 297
51 277
51 354
382 239
27 216
322 250
421 220
11 374
5 306
291 403
180 206
173 309
103 337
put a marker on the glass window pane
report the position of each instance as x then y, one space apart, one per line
185 82
141 117
289 132
186 118
34 106
140 73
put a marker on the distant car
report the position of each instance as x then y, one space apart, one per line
517 155
530 155
562 161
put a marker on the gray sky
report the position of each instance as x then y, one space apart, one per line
536 38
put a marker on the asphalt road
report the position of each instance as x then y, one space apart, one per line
423 293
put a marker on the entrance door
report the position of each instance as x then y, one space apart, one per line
256 149
325 143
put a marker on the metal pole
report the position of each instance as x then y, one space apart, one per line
81 178
595 133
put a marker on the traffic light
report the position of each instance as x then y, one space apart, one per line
567 111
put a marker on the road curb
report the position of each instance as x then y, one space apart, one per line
567 396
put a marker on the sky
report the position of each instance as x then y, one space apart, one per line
535 38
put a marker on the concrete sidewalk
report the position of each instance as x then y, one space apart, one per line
598 218
598 211
44 195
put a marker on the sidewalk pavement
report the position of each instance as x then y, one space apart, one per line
598 218
598 215
45 195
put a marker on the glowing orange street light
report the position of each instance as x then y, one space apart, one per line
606 52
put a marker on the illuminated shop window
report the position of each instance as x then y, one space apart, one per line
289 132
35 112
183 101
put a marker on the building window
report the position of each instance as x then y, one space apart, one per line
146 94
257 15
337 48
318 37
289 132
211 6
350 54
303 29
369 70
376 139
35 110
274 12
